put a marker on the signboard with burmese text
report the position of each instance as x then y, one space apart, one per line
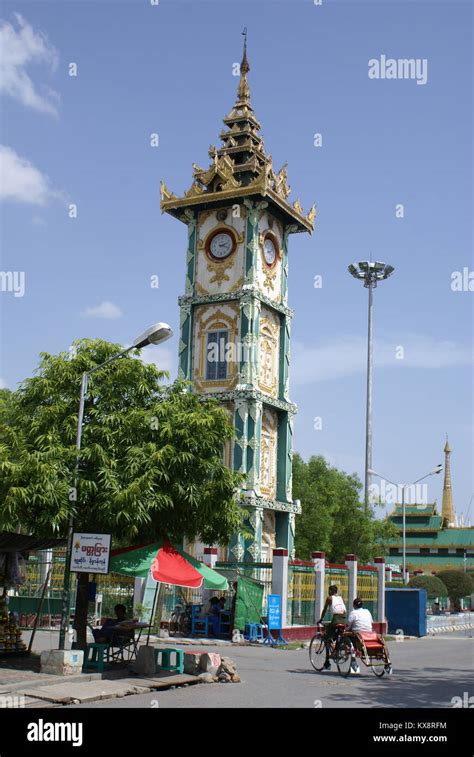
90 553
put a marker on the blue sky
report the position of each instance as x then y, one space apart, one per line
167 69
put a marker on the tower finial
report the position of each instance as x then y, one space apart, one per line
243 92
244 66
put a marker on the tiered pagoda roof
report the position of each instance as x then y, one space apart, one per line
418 517
240 167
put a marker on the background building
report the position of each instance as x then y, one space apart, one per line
434 541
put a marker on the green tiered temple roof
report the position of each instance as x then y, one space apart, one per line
420 518
430 544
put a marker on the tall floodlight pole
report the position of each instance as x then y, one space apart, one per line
370 273
404 487
156 334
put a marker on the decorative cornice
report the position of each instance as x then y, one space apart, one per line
239 294
170 202
270 504
257 395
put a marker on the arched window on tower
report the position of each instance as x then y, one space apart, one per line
216 355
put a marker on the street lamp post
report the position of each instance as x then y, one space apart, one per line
435 471
370 274
156 334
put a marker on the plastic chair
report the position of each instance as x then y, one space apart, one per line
224 623
166 664
253 631
94 657
250 632
196 620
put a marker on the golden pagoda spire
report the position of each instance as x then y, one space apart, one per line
243 92
240 166
447 510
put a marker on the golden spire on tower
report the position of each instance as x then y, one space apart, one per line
243 92
240 167
447 510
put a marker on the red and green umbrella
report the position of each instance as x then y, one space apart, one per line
169 564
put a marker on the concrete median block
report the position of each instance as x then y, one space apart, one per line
192 662
62 662
210 662
145 664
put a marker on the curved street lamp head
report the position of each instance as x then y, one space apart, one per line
438 469
156 334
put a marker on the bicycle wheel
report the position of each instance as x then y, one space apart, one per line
378 670
317 652
173 624
343 656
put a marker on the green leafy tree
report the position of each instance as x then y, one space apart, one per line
433 585
6 413
333 519
151 461
458 584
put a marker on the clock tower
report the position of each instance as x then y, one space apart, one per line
235 320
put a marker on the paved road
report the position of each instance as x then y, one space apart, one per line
428 672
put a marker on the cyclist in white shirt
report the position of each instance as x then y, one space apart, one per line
335 603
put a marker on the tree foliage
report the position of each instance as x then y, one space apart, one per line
433 585
458 583
151 460
333 519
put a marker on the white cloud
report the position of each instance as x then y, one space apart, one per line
346 356
21 181
3 384
104 310
22 47
165 358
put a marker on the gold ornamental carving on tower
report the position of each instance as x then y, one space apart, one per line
240 168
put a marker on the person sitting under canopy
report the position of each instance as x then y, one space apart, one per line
114 629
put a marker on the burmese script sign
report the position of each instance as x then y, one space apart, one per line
90 553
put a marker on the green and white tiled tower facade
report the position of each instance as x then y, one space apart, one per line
235 320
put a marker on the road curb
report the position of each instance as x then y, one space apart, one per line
34 682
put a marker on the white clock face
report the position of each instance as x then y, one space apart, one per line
269 251
221 245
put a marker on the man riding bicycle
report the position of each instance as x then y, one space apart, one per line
335 603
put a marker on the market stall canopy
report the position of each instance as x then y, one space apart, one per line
12 542
169 565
